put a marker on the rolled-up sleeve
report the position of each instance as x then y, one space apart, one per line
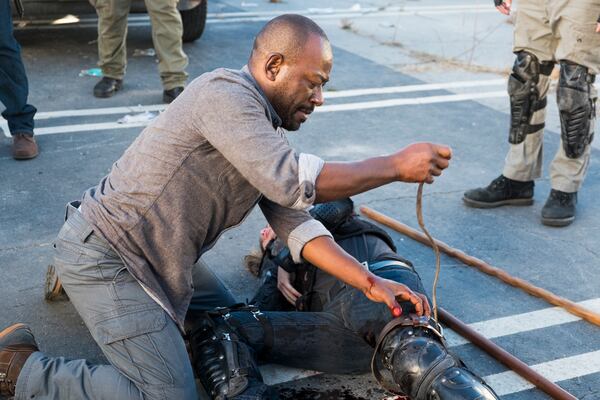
309 168
294 227
233 119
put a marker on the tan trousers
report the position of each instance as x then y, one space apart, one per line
554 30
166 36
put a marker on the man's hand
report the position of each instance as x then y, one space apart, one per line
389 292
420 162
598 26
284 284
503 6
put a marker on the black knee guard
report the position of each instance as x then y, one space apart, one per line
525 97
577 106
223 361
411 360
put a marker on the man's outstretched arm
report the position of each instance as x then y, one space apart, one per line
419 162
324 253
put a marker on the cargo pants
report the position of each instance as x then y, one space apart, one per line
144 347
167 29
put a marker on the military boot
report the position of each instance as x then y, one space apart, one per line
16 345
559 209
501 191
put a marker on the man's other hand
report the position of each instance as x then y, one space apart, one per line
284 284
503 6
421 162
389 292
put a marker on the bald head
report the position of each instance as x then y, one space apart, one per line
288 35
291 61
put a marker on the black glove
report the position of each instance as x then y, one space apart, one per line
599 20
498 3
19 8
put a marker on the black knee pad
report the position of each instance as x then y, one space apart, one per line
411 359
577 106
525 97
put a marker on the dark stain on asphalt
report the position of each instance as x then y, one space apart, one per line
312 394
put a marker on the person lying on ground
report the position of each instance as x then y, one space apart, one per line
306 318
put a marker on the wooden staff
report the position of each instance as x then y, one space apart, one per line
504 357
481 265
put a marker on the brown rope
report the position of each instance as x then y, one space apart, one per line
435 247
482 266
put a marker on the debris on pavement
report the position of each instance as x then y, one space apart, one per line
346 24
144 52
91 72
135 118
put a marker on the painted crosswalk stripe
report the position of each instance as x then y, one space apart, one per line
526 322
563 369
327 108
377 104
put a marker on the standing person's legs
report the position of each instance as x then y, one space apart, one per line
527 87
144 346
112 49
14 88
577 51
167 30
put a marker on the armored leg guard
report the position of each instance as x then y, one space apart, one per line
527 87
577 105
411 360
223 361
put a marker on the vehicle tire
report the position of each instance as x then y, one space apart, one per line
193 21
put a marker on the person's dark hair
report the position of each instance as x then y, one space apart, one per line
286 34
252 261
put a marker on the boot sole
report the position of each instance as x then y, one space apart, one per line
11 329
510 202
53 288
557 222
27 157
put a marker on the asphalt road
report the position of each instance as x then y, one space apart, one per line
427 71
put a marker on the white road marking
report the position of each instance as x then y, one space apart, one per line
414 88
451 98
526 322
562 369
100 111
327 108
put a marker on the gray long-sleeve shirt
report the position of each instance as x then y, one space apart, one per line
195 171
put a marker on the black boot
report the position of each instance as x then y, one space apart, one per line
411 360
501 191
223 361
107 87
171 94
559 209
